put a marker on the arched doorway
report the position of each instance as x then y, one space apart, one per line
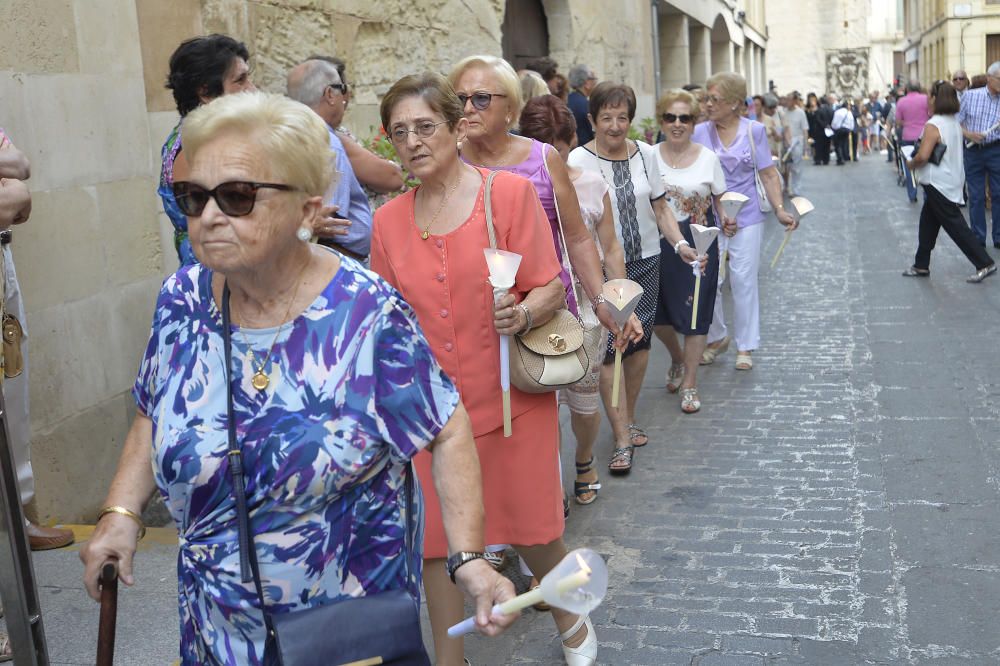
722 47
525 32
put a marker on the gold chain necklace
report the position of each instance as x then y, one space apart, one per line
425 234
261 380
676 160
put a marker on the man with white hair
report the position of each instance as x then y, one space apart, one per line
582 80
317 84
980 120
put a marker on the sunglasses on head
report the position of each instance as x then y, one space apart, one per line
480 100
235 198
672 118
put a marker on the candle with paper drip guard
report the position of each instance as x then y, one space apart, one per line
622 296
802 207
576 585
703 239
732 204
503 268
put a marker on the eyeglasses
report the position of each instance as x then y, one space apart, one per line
424 130
339 87
712 99
235 198
672 118
959 78
480 100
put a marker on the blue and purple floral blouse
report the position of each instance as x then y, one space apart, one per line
353 385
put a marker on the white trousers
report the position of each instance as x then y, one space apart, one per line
15 391
744 262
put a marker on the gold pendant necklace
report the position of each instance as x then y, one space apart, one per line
425 234
260 379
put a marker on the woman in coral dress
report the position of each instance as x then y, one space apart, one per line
429 244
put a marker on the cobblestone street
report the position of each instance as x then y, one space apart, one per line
836 505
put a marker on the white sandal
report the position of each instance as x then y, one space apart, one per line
584 654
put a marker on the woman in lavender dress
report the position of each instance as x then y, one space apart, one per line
729 135
334 388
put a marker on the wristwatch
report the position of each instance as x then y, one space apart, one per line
460 558
677 245
597 301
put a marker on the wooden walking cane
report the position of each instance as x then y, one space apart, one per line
109 613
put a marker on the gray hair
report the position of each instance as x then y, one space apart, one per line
994 69
770 101
310 86
578 76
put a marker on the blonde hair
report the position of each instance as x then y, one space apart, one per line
677 95
731 85
510 85
295 139
532 85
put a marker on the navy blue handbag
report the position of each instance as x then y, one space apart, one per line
377 629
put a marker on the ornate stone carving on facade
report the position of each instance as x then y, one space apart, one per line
847 72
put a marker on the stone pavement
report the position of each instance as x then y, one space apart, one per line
836 505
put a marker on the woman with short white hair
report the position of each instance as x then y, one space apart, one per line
272 381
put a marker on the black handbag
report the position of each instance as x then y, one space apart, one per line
936 154
377 629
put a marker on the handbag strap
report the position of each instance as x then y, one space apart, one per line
488 203
249 567
562 234
753 150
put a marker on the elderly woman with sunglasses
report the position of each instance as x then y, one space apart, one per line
742 148
428 243
490 92
334 390
693 180
641 215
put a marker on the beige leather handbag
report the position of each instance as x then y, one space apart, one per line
550 356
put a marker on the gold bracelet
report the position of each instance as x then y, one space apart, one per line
124 512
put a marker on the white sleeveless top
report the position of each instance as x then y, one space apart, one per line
948 178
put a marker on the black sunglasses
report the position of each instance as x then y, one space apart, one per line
959 78
672 118
340 87
235 198
480 100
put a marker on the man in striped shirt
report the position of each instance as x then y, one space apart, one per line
980 120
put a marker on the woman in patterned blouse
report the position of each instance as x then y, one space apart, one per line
334 391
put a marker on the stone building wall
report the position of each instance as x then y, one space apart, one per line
81 92
803 32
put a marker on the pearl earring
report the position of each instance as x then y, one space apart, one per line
304 234
458 144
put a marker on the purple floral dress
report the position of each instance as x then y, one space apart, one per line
354 386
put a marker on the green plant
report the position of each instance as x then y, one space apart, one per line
646 131
380 145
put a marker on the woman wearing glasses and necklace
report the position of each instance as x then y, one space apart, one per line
428 243
693 180
641 215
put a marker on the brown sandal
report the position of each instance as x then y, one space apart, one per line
621 460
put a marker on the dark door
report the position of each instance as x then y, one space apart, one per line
525 32
992 50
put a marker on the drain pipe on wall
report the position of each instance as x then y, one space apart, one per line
656 49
